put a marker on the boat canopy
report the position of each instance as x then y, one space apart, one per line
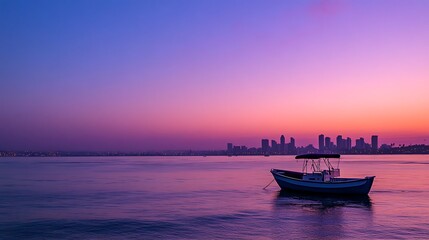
317 156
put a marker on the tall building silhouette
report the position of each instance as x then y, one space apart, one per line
328 143
374 143
341 143
349 144
360 144
229 147
274 147
282 144
265 145
282 139
292 147
321 143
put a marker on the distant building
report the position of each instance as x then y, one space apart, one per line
243 150
321 143
374 143
282 144
360 144
348 144
229 147
265 145
367 148
385 148
236 150
308 149
292 147
328 144
340 143
274 147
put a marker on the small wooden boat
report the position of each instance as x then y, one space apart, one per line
325 181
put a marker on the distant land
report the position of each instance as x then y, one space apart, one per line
326 145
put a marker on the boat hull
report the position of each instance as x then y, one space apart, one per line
357 186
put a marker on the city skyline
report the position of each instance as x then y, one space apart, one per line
267 147
325 145
150 75
248 143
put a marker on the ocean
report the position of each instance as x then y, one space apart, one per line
206 198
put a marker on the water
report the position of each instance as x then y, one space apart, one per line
205 198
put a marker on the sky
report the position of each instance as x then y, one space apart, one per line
147 75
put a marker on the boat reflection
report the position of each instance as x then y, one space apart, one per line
322 201
320 217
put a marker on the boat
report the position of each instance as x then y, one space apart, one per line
321 178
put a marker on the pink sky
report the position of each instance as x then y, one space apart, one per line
196 75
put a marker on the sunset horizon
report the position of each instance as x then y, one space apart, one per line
167 143
149 76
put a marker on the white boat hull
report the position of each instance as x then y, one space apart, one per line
343 186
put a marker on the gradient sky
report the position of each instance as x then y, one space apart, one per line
153 75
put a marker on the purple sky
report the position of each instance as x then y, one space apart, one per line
153 75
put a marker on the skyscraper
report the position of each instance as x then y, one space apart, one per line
292 142
328 143
282 144
341 144
291 146
349 144
274 147
229 148
374 143
282 139
360 144
321 143
265 145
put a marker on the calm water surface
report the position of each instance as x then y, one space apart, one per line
205 198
